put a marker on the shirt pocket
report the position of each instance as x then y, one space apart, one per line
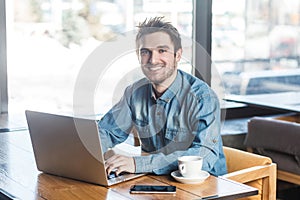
179 135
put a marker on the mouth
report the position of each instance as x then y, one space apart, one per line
153 68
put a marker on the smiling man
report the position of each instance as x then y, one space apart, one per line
159 60
174 113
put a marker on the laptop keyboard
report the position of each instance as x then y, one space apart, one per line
113 175
113 178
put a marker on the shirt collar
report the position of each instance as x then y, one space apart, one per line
171 91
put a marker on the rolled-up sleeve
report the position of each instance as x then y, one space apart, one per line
115 125
207 136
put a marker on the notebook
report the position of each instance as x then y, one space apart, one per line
69 147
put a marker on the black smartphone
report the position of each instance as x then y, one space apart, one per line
163 189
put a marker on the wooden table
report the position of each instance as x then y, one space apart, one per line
20 178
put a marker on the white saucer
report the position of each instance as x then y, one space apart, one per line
177 175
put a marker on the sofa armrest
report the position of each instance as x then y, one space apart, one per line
237 159
252 173
252 169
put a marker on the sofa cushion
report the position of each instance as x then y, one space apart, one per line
286 162
274 135
276 139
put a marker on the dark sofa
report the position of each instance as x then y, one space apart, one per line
278 139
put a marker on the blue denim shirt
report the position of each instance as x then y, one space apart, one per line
185 120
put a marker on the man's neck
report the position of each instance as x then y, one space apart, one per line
158 93
160 88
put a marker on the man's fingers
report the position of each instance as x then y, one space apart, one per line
113 164
109 154
112 160
120 164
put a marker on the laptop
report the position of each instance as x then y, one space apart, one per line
70 147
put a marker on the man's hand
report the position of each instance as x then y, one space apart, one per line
120 163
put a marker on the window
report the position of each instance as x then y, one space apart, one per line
255 45
50 40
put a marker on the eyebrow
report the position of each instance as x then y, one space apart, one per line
163 46
158 47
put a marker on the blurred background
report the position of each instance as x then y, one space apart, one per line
254 49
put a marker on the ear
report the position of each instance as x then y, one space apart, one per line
178 55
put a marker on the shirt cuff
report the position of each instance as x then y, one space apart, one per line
142 164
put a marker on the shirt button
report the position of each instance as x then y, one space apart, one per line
214 141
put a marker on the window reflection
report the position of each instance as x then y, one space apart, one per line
255 45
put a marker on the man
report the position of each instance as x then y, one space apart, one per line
174 113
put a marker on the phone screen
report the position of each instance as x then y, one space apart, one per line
153 189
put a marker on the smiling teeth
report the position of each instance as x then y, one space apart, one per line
154 68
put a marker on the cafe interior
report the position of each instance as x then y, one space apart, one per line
248 51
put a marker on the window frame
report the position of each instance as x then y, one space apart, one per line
202 29
3 60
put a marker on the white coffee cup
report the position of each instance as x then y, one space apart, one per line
190 166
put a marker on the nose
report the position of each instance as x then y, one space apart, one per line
154 57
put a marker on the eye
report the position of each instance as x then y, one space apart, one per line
162 50
145 52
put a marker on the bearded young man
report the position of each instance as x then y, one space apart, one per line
174 113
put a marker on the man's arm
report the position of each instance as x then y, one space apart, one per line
115 125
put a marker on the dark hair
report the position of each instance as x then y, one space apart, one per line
156 25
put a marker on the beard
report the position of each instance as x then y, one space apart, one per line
159 73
